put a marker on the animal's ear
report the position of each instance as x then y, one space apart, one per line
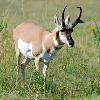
56 20
67 20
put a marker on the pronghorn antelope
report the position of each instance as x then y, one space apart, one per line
38 44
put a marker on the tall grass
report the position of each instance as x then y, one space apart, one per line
73 74
96 33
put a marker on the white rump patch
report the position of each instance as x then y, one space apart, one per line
25 48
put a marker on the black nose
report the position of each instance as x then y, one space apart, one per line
71 42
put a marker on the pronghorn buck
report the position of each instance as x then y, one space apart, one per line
38 44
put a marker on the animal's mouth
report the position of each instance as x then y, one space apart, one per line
69 45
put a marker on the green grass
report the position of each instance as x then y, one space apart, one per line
74 74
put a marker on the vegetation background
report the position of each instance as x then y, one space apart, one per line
74 74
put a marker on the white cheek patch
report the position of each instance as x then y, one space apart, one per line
25 48
62 38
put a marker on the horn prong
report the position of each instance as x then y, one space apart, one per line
63 19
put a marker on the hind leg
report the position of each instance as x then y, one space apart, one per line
17 63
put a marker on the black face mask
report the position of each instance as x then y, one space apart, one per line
66 30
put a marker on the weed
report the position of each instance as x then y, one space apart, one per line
3 24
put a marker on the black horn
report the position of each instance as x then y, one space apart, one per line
63 19
78 20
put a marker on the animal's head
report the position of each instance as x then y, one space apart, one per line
65 27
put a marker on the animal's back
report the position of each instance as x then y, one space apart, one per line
29 32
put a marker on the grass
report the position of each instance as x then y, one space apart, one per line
74 74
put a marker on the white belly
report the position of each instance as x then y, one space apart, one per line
25 48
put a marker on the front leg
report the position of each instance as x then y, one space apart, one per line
37 61
45 69
17 63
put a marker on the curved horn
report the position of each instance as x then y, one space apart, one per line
80 12
63 19
78 20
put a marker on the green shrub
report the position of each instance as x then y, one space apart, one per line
3 24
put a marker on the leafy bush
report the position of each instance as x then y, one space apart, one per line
3 24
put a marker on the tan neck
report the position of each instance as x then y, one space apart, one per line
56 38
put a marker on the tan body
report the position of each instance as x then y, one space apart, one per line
38 36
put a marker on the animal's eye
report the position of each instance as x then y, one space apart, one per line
62 33
62 30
